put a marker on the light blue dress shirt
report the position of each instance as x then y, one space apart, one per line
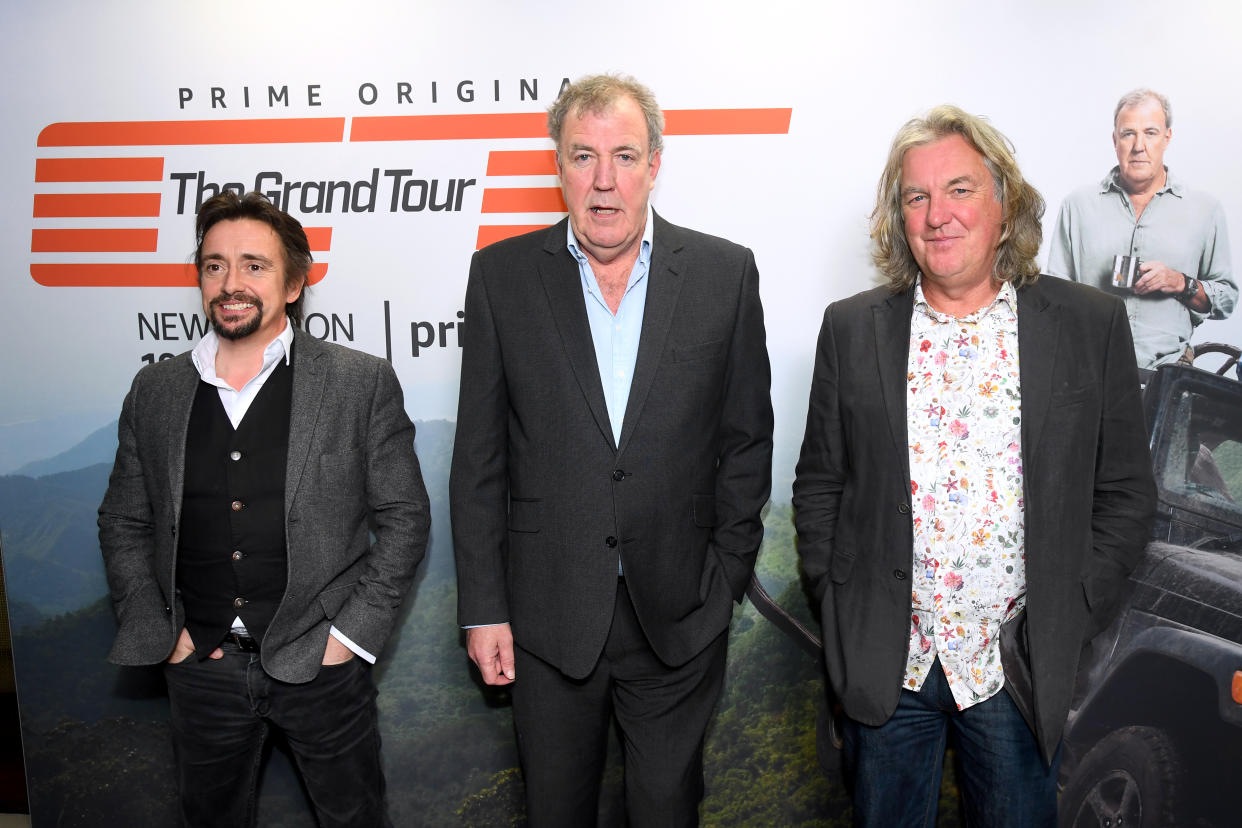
616 336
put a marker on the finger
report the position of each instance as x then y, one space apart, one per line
217 653
507 662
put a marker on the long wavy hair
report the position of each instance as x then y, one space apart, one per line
1021 230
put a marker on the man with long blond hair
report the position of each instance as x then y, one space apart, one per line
973 488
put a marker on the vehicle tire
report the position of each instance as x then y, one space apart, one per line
1128 780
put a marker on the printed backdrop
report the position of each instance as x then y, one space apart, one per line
404 136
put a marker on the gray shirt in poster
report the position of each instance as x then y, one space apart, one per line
1183 228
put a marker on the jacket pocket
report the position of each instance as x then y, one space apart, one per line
842 566
333 598
700 351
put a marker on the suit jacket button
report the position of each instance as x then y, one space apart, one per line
234 455
618 475
899 574
239 602
236 505
903 508
610 541
238 554
168 610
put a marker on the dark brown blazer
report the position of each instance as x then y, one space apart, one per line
1089 495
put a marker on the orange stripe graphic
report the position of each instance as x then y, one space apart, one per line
320 238
490 233
61 205
116 240
130 275
523 200
521 162
727 121
149 133
448 127
99 169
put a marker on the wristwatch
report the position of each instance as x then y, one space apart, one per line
1189 292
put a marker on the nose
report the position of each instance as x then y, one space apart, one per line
1140 144
605 174
938 213
232 281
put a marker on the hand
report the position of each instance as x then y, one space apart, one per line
1157 277
185 648
336 652
491 649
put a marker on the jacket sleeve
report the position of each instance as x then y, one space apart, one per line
478 484
399 518
127 541
1124 497
820 474
744 467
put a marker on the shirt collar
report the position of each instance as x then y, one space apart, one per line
644 250
1007 294
1112 182
204 353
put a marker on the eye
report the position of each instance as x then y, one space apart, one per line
627 158
915 199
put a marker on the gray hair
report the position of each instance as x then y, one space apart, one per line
1136 96
1023 206
597 94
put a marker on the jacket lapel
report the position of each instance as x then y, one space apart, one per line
664 283
1039 326
179 406
563 284
892 349
309 379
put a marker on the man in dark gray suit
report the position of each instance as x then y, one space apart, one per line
261 528
973 489
613 454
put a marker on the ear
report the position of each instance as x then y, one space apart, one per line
656 157
292 294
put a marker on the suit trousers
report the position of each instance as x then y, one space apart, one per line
221 712
662 713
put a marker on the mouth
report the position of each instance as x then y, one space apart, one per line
236 304
605 211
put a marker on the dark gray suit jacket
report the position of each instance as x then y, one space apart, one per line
1089 495
544 500
351 472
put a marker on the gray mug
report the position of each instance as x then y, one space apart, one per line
1126 271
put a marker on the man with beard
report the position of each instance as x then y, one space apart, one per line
261 528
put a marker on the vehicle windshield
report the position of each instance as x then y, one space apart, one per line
1199 455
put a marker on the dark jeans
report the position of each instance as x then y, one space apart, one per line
221 712
895 768
663 712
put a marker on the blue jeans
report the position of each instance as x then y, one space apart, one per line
895 768
221 712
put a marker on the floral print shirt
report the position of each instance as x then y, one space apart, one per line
964 407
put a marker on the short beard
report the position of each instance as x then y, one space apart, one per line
246 328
